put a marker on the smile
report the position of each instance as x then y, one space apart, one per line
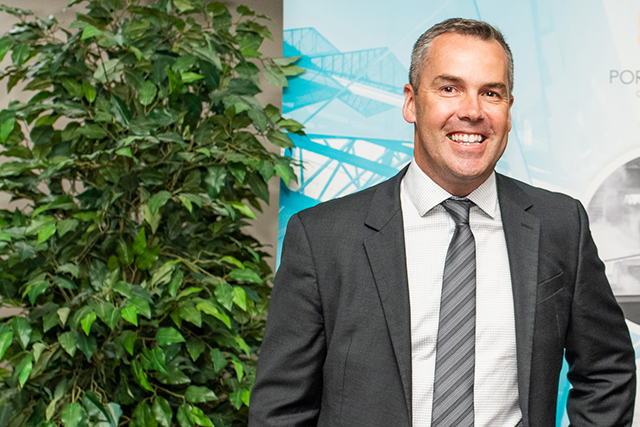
467 138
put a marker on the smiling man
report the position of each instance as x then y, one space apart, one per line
448 295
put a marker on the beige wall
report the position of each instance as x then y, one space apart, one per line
265 228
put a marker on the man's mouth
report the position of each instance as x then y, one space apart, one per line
467 138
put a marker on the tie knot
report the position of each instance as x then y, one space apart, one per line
458 209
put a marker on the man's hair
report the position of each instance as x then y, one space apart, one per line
468 27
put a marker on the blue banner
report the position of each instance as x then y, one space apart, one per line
576 115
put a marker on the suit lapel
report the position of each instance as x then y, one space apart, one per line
522 232
386 253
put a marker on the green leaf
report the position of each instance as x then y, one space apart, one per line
186 202
98 275
90 31
21 53
216 177
125 152
89 92
37 350
72 415
196 394
147 93
87 321
159 200
258 186
63 314
125 253
74 270
86 344
156 359
168 336
163 275
140 375
126 342
280 139
130 314
184 416
239 368
210 309
200 418
49 321
183 5
92 131
242 345
147 259
108 314
73 87
288 60
275 76
23 370
224 295
108 71
240 297
140 243
5 45
176 282
6 129
162 411
218 359
143 415
243 209
245 275
152 218
35 289
190 77
236 399
21 330
68 342
142 307
175 377
46 232
195 347
123 288
5 341
24 250
232 260
66 225
191 314
290 125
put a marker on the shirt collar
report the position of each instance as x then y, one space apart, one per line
425 194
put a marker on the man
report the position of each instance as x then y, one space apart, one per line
361 311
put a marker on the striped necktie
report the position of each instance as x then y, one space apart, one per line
455 354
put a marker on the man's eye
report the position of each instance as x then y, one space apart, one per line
448 89
493 94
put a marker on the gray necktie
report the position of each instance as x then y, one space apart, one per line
455 355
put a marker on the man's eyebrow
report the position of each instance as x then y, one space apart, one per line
446 78
498 86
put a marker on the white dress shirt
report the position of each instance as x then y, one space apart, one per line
428 229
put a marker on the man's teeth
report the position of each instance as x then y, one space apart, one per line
469 138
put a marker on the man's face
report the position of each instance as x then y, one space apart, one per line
461 111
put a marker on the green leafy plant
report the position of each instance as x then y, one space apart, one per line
131 171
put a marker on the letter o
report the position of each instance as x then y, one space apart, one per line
622 77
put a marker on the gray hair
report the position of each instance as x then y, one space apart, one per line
469 27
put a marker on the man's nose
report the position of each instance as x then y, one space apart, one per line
470 108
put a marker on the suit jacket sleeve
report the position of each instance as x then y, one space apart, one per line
598 348
288 386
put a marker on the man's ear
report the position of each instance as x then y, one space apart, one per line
409 106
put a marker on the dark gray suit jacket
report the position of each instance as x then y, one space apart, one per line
337 347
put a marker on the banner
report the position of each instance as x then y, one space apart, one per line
576 115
